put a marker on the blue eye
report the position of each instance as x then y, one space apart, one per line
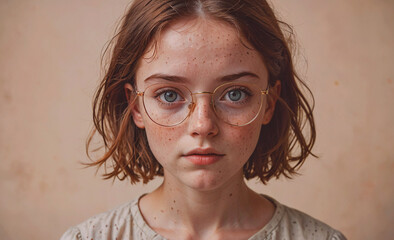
235 95
169 96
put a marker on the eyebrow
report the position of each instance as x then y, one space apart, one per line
171 78
232 77
179 79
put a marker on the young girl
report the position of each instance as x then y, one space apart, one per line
203 93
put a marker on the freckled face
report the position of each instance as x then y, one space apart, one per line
201 52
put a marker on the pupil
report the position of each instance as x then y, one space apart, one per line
170 96
235 95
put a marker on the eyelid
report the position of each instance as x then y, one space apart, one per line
166 89
159 92
237 87
224 95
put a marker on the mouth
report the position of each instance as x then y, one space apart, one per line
203 156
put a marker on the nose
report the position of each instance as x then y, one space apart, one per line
202 119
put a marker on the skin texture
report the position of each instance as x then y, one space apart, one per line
210 201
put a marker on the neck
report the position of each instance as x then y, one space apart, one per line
179 207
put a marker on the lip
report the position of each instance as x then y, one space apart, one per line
200 156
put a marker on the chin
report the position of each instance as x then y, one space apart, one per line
204 180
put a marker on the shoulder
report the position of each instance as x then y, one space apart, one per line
117 222
290 223
299 224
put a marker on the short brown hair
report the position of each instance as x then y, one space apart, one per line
282 146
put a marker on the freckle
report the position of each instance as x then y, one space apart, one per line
174 201
220 171
166 62
240 60
162 211
230 194
231 54
203 61
247 52
172 208
154 218
169 139
336 83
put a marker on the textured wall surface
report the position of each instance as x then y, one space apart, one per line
50 65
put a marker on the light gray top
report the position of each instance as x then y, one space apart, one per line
126 222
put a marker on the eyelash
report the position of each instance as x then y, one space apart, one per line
245 90
162 91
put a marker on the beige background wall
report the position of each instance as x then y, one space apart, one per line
49 67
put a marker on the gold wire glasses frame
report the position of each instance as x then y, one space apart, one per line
235 113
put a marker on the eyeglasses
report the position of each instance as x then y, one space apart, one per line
237 104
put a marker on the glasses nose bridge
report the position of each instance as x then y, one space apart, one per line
198 93
193 104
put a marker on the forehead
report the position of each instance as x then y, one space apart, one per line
199 33
199 50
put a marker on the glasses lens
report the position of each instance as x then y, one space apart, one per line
167 104
237 103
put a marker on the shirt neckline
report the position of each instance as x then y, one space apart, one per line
140 222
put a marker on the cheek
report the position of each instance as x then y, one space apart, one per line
244 140
160 136
162 141
157 135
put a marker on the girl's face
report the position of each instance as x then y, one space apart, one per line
203 152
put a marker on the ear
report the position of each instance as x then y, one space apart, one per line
134 105
272 97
